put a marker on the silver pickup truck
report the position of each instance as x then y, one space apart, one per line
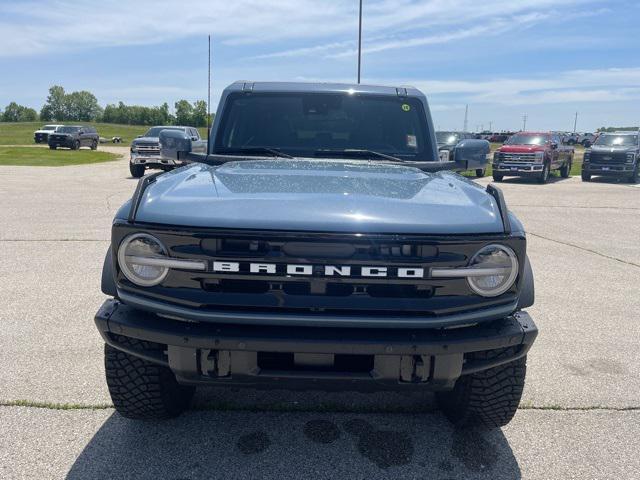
145 150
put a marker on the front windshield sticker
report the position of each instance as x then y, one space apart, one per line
406 107
412 141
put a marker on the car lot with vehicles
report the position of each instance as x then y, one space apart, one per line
145 149
74 137
579 412
534 155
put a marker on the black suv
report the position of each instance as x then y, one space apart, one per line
74 137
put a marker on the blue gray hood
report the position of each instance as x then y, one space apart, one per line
319 195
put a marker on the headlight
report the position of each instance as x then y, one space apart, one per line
587 155
136 259
134 148
144 260
492 270
496 156
631 157
539 157
490 273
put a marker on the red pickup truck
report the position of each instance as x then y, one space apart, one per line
532 154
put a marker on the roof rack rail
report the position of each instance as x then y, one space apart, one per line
496 193
137 195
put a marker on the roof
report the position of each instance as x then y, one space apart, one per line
622 132
535 133
322 87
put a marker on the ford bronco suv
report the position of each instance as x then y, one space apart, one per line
145 150
74 137
614 154
317 244
532 154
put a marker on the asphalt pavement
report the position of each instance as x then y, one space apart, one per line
580 415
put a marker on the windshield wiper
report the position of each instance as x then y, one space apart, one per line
357 152
250 150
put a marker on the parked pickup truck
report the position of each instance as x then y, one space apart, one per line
532 154
74 137
145 150
614 154
318 243
42 135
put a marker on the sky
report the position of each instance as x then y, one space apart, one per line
546 59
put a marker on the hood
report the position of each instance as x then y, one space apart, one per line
611 149
145 140
522 148
319 195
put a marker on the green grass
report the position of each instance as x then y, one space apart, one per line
22 133
43 157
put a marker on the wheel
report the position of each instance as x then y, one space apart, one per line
635 176
480 172
94 145
136 170
76 145
585 176
488 398
544 176
565 170
497 177
140 389
52 147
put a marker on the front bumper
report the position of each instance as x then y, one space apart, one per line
153 161
610 170
518 168
61 142
306 357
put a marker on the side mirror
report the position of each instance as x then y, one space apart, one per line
174 144
471 154
139 136
80 132
554 145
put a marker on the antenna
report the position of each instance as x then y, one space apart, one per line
359 40
209 97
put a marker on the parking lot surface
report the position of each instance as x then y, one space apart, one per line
580 415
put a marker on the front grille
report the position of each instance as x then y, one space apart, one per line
352 293
149 149
608 158
516 157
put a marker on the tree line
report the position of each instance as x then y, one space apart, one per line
83 106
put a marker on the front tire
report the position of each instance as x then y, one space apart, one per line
480 172
497 177
544 176
635 176
52 147
142 390
488 398
94 145
565 170
585 177
76 145
136 170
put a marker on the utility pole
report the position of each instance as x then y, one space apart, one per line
466 118
491 126
575 123
359 40
524 122
209 96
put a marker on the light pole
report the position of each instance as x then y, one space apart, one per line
524 122
359 40
575 123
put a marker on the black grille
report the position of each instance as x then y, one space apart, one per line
608 158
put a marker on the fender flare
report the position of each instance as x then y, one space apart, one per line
527 292
108 284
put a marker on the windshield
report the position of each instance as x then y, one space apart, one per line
155 131
448 138
68 129
617 140
48 127
300 124
521 139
